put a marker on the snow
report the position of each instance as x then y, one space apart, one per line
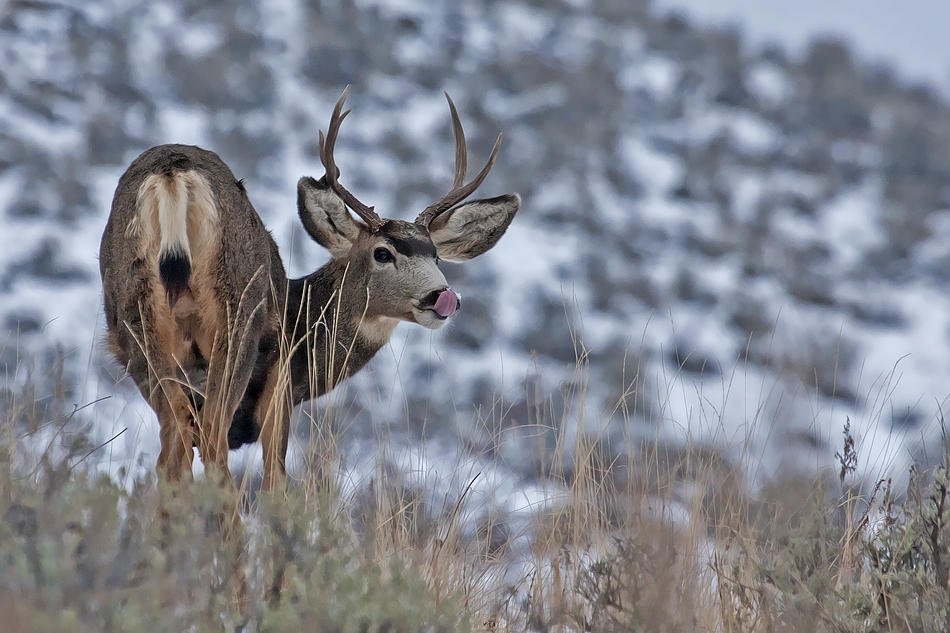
507 107
664 171
769 83
521 27
187 126
198 40
655 73
851 224
534 256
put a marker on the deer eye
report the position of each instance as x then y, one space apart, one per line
383 256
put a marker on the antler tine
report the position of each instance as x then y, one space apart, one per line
327 145
461 152
459 191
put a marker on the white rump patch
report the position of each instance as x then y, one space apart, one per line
170 208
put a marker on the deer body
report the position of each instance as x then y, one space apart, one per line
219 342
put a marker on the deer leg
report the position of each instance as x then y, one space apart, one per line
222 395
223 389
229 372
146 342
232 351
175 430
273 412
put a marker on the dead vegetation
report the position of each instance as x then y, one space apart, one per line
651 537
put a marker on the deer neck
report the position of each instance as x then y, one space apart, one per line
332 333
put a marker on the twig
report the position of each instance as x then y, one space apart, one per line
108 441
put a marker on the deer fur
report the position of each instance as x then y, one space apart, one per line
219 342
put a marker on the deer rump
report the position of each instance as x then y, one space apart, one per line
181 293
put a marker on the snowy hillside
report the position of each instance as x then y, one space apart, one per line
749 246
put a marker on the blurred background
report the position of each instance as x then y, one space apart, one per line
735 228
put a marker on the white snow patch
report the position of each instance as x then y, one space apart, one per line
197 40
505 107
851 224
656 73
188 126
522 27
769 83
661 172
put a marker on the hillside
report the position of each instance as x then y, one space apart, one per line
734 244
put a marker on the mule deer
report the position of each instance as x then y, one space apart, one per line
220 343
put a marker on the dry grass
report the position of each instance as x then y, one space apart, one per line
645 536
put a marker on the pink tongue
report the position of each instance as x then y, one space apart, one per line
447 304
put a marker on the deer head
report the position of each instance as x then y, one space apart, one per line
397 259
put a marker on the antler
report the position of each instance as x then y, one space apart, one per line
459 191
333 173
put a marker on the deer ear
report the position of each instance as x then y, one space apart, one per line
325 217
471 229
